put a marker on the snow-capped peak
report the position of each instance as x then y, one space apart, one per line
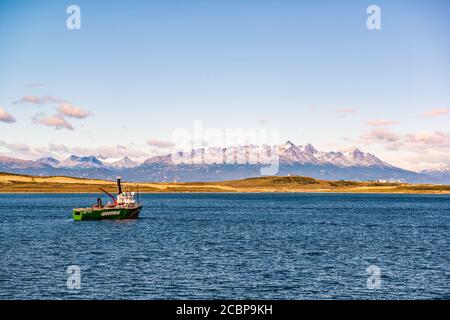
81 162
124 163
309 148
49 161
441 170
355 154
288 152
363 159
288 144
291 153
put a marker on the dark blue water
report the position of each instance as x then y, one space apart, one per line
255 246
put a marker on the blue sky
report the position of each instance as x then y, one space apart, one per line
138 70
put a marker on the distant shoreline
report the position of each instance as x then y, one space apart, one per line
243 192
24 184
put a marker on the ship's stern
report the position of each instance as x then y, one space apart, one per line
77 215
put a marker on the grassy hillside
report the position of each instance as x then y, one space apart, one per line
28 184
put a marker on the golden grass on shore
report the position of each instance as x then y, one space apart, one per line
14 183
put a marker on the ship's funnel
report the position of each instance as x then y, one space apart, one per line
119 186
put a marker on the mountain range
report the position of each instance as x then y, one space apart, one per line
209 164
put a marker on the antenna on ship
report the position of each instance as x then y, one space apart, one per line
137 186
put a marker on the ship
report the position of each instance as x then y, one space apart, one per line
122 206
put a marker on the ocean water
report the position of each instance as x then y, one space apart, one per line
229 246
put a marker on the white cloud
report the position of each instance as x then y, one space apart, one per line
419 150
15 147
61 152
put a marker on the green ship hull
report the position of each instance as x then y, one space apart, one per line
113 213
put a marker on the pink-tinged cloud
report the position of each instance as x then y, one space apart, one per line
68 110
425 142
346 111
17 147
437 112
429 139
380 123
38 100
380 135
35 84
61 151
159 143
6 117
56 121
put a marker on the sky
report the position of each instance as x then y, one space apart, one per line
138 71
